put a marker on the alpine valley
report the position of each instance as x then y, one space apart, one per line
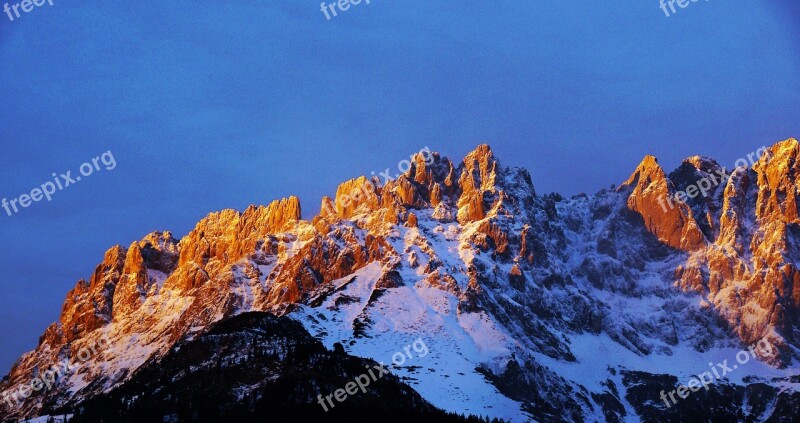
532 307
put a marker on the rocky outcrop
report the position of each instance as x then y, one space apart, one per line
356 195
477 183
652 196
147 264
89 306
225 237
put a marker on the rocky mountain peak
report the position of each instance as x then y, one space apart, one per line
702 163
480 169
649 169
479 175
223 237
779 181
359 195
652 196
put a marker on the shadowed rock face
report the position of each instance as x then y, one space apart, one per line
536 272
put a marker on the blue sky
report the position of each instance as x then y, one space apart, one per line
209 105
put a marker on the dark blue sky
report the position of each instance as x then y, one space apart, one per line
209 105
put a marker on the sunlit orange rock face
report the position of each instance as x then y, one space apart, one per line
118 286
675 226
225 237
156 252
775 242
124 280
354 194
89 305
747 266
477 182
320 261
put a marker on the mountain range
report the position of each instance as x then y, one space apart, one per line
531 307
